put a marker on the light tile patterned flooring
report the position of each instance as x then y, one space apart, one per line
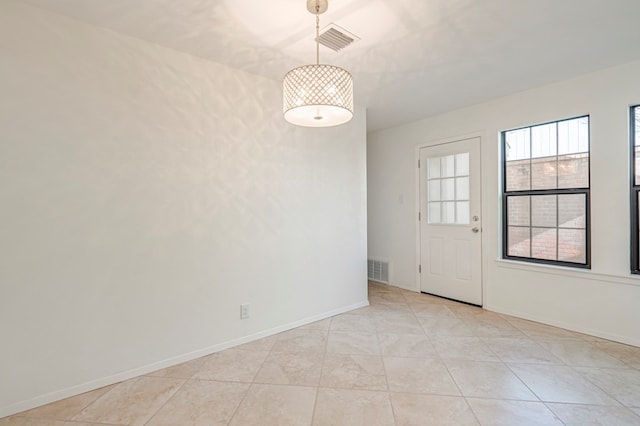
408 359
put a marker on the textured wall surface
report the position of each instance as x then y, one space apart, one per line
602 301
146 194
414 58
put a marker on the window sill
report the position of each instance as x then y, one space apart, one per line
585 274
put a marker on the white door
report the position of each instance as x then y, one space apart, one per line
450 222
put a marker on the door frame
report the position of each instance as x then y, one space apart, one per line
480 135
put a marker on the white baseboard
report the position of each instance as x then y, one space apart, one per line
126 375
573 327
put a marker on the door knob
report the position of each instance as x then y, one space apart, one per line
475 230
475 218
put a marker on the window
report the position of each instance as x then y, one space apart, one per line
545 197
635 188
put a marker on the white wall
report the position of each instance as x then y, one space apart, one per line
145 195
603 301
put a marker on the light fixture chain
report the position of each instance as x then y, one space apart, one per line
318 34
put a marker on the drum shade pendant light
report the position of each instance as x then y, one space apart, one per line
317 95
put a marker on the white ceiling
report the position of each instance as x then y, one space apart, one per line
416 58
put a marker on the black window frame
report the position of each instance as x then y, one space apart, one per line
505 195
634 193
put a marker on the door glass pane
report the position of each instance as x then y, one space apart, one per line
447 189
462 212
434 213
518 241
462 188
462 164
447 166
544 211
433 167
518 212
448 212
434 190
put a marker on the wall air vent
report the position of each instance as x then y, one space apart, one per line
336 38
378 270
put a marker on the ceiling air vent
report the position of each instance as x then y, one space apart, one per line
336 38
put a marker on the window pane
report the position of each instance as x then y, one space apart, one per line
434 213
462 188
544 173
635 239
544 141
462 212
573 171
518 242
434 190
462 164
637 157
518 211
637 125
448 212
517 144
544 211
447 166
433 168
572 245
571 211
543 244
573 136
447 189
518 178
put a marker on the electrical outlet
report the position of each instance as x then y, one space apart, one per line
244 311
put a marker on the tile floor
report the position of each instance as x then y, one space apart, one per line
408 359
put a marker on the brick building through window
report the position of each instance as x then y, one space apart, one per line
635 189
546 192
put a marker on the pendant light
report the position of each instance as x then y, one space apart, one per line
317 95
